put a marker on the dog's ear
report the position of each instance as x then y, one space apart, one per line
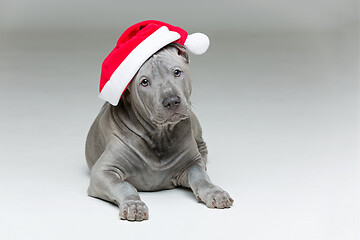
181 51
126 95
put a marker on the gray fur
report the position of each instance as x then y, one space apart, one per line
149 141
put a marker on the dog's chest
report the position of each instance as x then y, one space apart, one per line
152 167
157 174
153 161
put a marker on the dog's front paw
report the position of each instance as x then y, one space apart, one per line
214 197
134 210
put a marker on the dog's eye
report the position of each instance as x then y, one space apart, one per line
177 73
144 82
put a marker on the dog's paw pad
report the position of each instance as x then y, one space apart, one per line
134 210
215 197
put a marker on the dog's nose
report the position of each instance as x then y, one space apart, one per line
171 102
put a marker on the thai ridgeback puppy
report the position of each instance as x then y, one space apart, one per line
151 140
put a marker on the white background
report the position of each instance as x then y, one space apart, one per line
277 95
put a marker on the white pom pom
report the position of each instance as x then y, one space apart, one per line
197 43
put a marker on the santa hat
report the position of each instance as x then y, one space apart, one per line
134 47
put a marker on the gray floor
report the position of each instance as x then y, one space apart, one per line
280 114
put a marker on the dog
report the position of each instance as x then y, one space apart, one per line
151 140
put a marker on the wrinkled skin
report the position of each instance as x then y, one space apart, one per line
151 140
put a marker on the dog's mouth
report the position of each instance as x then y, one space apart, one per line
176 117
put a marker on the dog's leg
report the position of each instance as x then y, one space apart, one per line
202 149
213 196
197 132
106 182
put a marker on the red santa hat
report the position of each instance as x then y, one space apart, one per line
134 47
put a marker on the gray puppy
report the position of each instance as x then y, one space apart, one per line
151 140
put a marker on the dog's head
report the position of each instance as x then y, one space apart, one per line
160 91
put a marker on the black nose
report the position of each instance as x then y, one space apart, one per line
171 102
